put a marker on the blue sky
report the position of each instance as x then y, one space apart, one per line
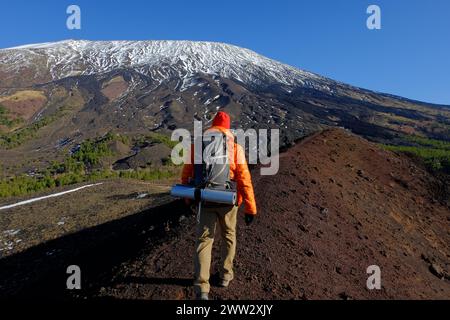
409 56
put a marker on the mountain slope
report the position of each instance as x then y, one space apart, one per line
69 58
88 88
338 205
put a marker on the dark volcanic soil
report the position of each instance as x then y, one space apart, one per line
338 205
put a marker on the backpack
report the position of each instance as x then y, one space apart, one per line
214 171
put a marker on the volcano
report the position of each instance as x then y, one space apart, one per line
339 204
54 96
162 85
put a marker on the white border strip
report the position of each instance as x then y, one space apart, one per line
49 196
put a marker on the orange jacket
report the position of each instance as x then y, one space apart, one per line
238 172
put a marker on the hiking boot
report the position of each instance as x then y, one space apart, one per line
224 283
202 296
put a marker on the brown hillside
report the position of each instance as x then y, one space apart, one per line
337 205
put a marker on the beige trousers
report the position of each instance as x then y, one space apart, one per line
209 217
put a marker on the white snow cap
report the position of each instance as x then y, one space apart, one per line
68 57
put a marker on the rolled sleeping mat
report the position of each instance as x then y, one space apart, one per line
219 196
183 191
210 195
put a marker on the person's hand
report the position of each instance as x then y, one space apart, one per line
249 218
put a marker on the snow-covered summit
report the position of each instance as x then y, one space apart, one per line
74 57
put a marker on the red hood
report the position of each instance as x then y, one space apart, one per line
222 119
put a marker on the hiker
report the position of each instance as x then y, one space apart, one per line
223 215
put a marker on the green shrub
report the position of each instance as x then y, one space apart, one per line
147 174
435 159
92 151
426 142
79 168
5 120
155 138
16 138
23 184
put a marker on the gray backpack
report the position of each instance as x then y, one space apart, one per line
214 171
